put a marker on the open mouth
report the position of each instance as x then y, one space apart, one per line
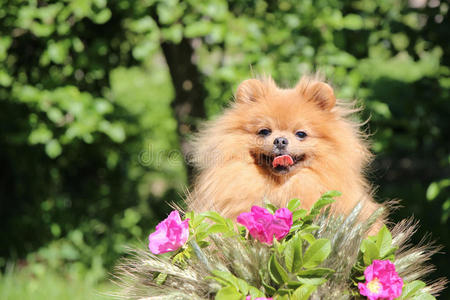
281 163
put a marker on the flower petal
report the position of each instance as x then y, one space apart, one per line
170 234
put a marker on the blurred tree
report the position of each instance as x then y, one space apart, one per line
77 151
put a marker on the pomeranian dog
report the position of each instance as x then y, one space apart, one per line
276 144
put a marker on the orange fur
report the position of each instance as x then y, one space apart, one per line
333 156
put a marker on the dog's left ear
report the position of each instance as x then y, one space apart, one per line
250 90
319 92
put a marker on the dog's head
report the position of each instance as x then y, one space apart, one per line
287 129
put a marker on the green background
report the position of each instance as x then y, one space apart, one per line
97 99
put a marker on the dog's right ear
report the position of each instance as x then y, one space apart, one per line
250 90
317 91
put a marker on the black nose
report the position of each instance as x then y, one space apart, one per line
280 142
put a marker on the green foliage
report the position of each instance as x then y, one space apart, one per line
437 190
87 149
292 270
234 288
36 283
293 256
228 292
316 253
376 247
231 264
380 247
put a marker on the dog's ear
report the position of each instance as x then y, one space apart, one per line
319 92
250 90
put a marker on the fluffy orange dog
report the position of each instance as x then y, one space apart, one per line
279 144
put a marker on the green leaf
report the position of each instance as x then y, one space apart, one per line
243 286
303 292
308 237
299 214
116 132
325 199
322 202
293 254
161 278
217 228
312 281
276 271
412 288
5 78
390 254
423 296
296 227
5 42
294 284
219 280
309 228
279 247
433 191
435 188
360 278
254 292
282 295
310 217
331 194
102 16
213 216
270 290
270 207
58 51
198 29
384 241
195 220
203 244
229 223
191 216
293 204
228 293
179 258
227 277
353 22
201 231
317 272
169 11
53 148
369 250
143 25
173 33
316 253
40 135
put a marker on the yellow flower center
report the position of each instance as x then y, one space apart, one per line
374 286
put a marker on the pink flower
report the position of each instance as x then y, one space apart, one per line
262 225
170 234
382 281
259 298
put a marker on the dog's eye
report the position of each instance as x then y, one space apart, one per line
301 135
264 132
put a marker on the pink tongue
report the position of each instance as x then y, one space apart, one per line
282 160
